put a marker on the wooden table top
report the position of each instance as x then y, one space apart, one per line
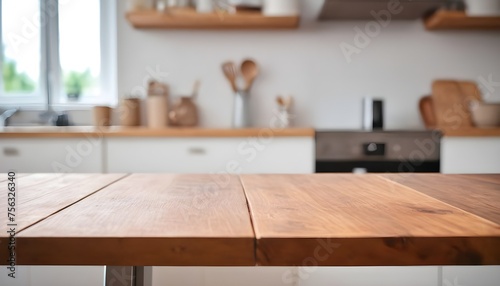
269 220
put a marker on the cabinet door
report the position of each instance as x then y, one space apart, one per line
51 155
210 155
471 275
286 155
54 276
369 276
468 155
224 276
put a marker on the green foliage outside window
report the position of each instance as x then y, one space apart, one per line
76 82
15 81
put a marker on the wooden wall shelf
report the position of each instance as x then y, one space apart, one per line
190 19
458 20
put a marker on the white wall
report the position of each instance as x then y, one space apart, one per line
399 65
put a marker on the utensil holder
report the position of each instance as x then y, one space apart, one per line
102 116
241 111
284 118
130 114
157 111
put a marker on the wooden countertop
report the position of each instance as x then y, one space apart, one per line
472 132
270 220
115 131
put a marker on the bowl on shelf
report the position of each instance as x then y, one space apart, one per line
481 8
485 115
280 8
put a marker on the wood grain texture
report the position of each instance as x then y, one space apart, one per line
4 176
52 132
307 220
148 219
477 194
190 19
206 132
361 220
41 195
116 131
453 20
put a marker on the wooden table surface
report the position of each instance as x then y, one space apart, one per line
269 220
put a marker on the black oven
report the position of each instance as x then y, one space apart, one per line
378 151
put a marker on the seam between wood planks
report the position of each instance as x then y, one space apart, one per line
251 220
73 203
436 199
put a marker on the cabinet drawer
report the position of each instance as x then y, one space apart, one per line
464 155
210 155
61 155
171 155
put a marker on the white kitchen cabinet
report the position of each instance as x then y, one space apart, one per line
370 276
210 155
471 275
470 155
222 276
54 276
293 276
51 155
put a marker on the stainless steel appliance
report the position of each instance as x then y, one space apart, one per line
378 151
373 114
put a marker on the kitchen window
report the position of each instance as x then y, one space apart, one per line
58 52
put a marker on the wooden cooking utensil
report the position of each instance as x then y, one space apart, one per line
250 71
229 69
288 102
427 112
280 101
451 103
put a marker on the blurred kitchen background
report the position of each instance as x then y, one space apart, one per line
398 64
336 86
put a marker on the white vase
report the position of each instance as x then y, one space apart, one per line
483 7
281 7
204 6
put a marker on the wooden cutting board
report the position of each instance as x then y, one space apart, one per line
426 107
451 102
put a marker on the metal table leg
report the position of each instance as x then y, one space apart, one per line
128 276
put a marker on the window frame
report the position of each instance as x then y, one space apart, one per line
50 88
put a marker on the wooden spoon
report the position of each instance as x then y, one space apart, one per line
229 69
250 71
280 101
